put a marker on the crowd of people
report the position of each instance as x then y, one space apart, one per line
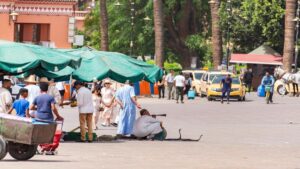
115 107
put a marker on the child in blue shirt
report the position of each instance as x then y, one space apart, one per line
21 105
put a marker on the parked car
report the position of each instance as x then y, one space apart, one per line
238 89
207 78
197 75
281 88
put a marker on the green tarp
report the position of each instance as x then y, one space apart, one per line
16 58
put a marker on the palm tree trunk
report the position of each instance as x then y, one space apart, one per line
104 26
159 32
289 34
216 33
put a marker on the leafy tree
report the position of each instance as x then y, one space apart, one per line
253 23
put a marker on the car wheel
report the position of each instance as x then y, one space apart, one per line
21 151
209 98
3 148
281 90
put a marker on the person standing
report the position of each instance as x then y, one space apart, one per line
180 85
226 88
108 98
21 106
170 83
188 82
268 80
86 109
97 106
33 89
44 104
127 100
60 86
5 96
248 77
53 91
161 87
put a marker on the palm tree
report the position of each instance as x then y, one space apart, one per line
216 33
159 32
289 34
104 26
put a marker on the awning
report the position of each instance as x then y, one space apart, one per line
263 55
256 59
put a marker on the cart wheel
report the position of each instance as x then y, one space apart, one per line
3 150
21 151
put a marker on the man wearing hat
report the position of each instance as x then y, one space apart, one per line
86 109
33 89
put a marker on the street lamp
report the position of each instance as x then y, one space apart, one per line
13 16
297 19
229 12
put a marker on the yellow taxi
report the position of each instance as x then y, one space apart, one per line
238 89
207 78
197 75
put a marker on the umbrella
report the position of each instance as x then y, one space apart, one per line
98 65
16 58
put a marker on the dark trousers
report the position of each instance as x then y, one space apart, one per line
227 93
161 91
187 88
179 91
295 88
248 86
271 97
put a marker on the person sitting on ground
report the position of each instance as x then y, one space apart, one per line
21 106
44 104
147 126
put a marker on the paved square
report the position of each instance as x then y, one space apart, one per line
241 135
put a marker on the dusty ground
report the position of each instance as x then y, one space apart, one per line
241 135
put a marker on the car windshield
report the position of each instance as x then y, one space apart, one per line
218 80
198 76
213 76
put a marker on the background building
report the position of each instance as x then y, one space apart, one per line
49 23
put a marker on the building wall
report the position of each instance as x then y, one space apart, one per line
58 27
6 30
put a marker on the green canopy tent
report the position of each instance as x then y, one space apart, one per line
17 58
98 65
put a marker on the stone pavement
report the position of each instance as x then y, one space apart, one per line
241 135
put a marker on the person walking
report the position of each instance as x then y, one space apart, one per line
268 80
60 86
248 77
108 98
226 88
53 91
180 85
127 100
86 109
161 87
5 96
170 83
188 82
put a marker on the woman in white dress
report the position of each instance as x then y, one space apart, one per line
108 98
97 106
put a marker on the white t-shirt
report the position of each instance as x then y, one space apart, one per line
179 81
60 86
5 100
33 92
145 126
85 101
170 78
